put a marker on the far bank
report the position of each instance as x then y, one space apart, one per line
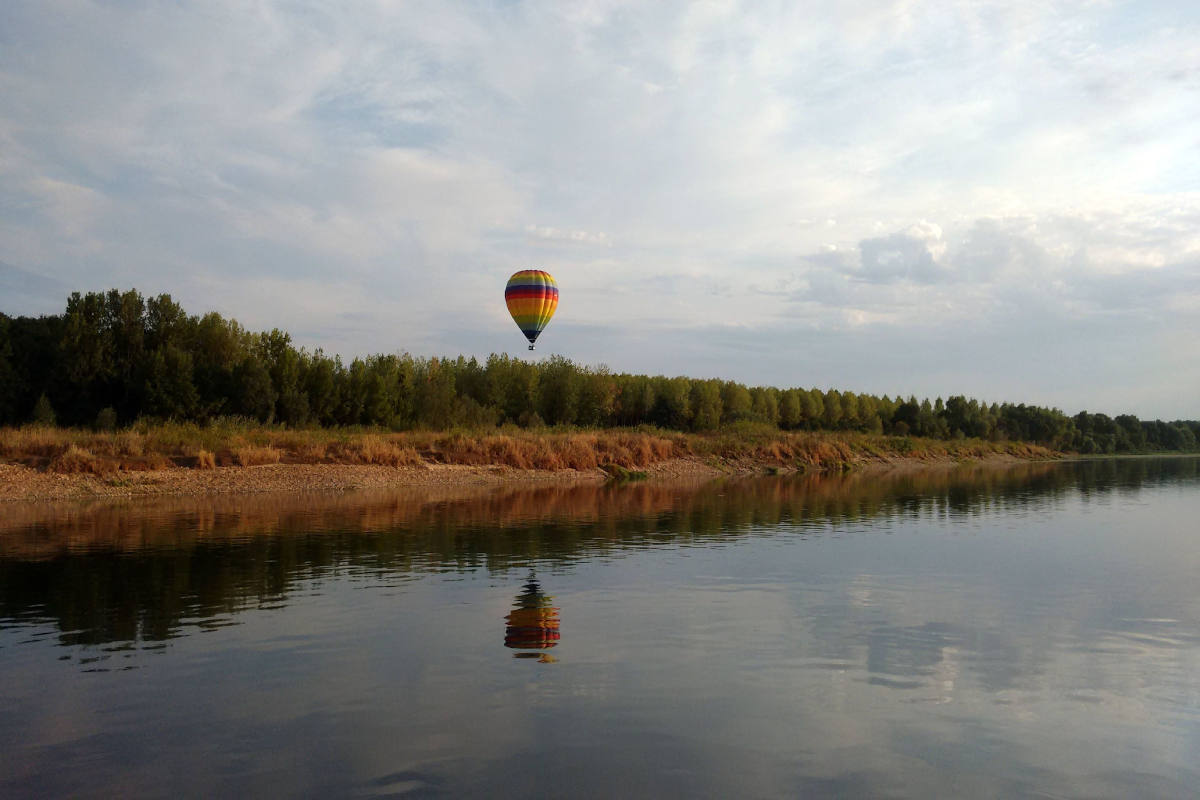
58 463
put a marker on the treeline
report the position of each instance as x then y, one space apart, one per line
116 357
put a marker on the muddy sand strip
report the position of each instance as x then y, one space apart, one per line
22 483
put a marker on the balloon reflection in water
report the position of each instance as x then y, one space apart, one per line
532 625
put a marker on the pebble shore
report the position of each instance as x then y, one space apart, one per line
21 483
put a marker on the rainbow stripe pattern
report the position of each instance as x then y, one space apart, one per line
532 297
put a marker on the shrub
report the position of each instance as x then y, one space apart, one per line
106 420
43 412
619 474
75 459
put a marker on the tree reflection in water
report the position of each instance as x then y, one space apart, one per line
151 570
532 626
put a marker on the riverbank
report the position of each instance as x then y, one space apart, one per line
54 463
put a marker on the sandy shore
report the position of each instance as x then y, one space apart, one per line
21 483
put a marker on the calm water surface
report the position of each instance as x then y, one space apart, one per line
1032 631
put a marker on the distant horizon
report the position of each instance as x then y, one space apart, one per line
999 202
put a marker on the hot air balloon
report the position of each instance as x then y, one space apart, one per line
532 296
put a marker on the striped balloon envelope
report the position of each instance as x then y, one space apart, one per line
532 297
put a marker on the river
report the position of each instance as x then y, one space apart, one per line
981 631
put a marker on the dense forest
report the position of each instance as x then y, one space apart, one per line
113 358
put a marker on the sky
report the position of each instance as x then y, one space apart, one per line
994 199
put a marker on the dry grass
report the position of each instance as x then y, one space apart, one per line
825 451
34 441
371 449
310 452
237 442
256 456
75 459
558 451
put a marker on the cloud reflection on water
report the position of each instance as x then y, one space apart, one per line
976 631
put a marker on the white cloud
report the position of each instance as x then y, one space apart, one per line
550 233
964 161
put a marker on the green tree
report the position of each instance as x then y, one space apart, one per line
764 404
435 394
9 383
1133 432
255 393
791 410
560 386
167 324
886 408
926 420
353 394
124 320
833 410
671 407
320 378
736 402
705 402
470 380
597 398
813 402
219 348
87 356
868 414
521 399
635 400
169 391
850 418
116 351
